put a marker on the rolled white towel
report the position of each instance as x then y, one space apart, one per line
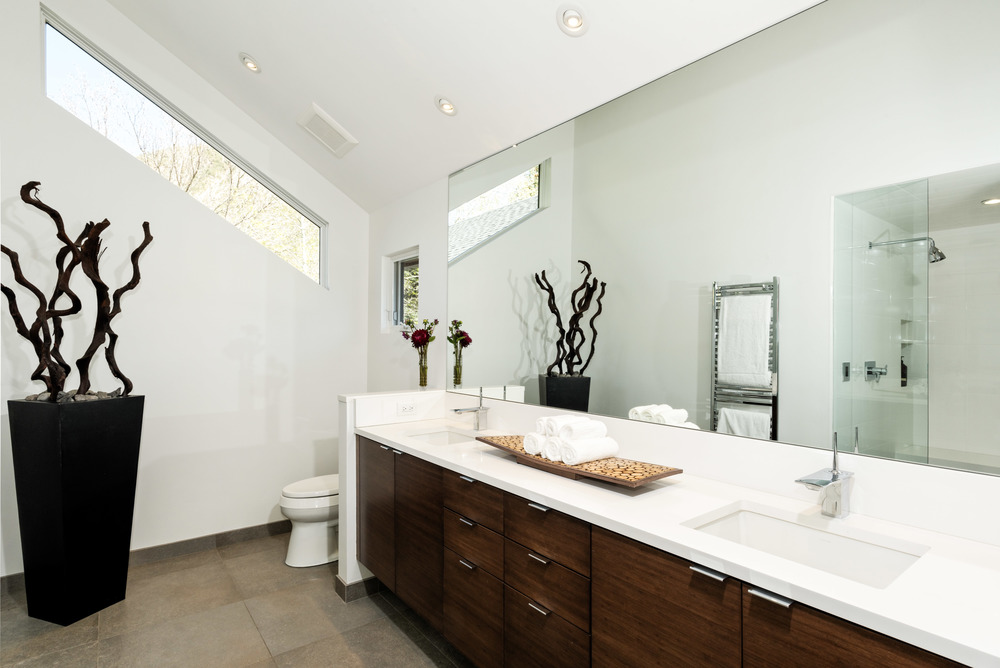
689 425
553 448
588 449
637 412
667 415
533 442
583 429
556 422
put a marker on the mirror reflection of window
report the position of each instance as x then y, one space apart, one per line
473 223
407 290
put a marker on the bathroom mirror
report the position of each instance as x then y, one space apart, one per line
731 171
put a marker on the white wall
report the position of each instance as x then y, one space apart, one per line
419 219
964 347
240 357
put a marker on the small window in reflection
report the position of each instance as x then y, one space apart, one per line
474 223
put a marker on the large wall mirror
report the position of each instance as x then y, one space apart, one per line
784 155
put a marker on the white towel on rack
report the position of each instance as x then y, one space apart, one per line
752 422
533 443
744 339
588 449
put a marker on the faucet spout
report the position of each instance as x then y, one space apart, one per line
834 487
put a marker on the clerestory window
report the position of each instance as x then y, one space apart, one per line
90 84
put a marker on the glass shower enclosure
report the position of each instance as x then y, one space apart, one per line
880 321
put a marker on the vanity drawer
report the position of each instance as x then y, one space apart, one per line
473 541
473 611
557 588
556 535
535 636
475 500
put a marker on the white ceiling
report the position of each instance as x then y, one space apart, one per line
377 67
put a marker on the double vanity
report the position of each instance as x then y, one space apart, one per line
518 566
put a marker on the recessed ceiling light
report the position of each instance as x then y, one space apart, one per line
991 201
249 62
570 20
445 106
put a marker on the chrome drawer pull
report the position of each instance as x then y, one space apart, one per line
538 559
773 598
384 447
464 520
708 572
396 452
538 608
532 504
466 478
465 563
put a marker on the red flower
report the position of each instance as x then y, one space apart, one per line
420 338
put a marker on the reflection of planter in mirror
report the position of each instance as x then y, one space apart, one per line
571 392
75 469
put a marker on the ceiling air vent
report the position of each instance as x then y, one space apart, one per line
322 126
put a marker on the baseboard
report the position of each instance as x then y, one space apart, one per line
15 581
356 590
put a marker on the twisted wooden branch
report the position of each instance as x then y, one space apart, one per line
85 252
593 339
544 284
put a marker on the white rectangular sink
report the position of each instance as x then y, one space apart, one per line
814 541
443 437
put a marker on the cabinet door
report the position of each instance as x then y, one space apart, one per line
473 611
651 609
419 536
557 535
376 510
798 635
535 637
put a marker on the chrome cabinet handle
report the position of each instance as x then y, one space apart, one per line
396 452
538 559
384 447
465 563
773 598
466 478
465 520
532 504
708 572
538 608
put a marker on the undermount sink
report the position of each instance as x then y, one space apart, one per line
858 555
443 437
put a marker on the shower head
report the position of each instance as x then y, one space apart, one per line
933 254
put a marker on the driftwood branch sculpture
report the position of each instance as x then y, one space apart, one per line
569 345
46 332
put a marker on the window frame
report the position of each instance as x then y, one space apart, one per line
105 59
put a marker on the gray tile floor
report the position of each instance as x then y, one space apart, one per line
237 605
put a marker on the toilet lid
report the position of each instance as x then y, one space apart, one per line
324 485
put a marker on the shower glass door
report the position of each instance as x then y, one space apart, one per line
880 321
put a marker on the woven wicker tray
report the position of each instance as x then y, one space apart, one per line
618 471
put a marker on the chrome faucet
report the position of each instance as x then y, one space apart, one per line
834 487
479 421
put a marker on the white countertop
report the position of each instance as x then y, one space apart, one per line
948 602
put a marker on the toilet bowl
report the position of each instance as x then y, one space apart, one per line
312 507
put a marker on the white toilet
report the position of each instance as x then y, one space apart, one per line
312 506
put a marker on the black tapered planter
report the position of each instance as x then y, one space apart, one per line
75 467
572 392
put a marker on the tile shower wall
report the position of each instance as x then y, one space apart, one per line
964 348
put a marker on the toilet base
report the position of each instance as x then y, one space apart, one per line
312 544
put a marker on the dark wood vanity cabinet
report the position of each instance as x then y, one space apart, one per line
798 635
513 583
651 609
400 538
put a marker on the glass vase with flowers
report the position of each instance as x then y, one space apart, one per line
420 338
